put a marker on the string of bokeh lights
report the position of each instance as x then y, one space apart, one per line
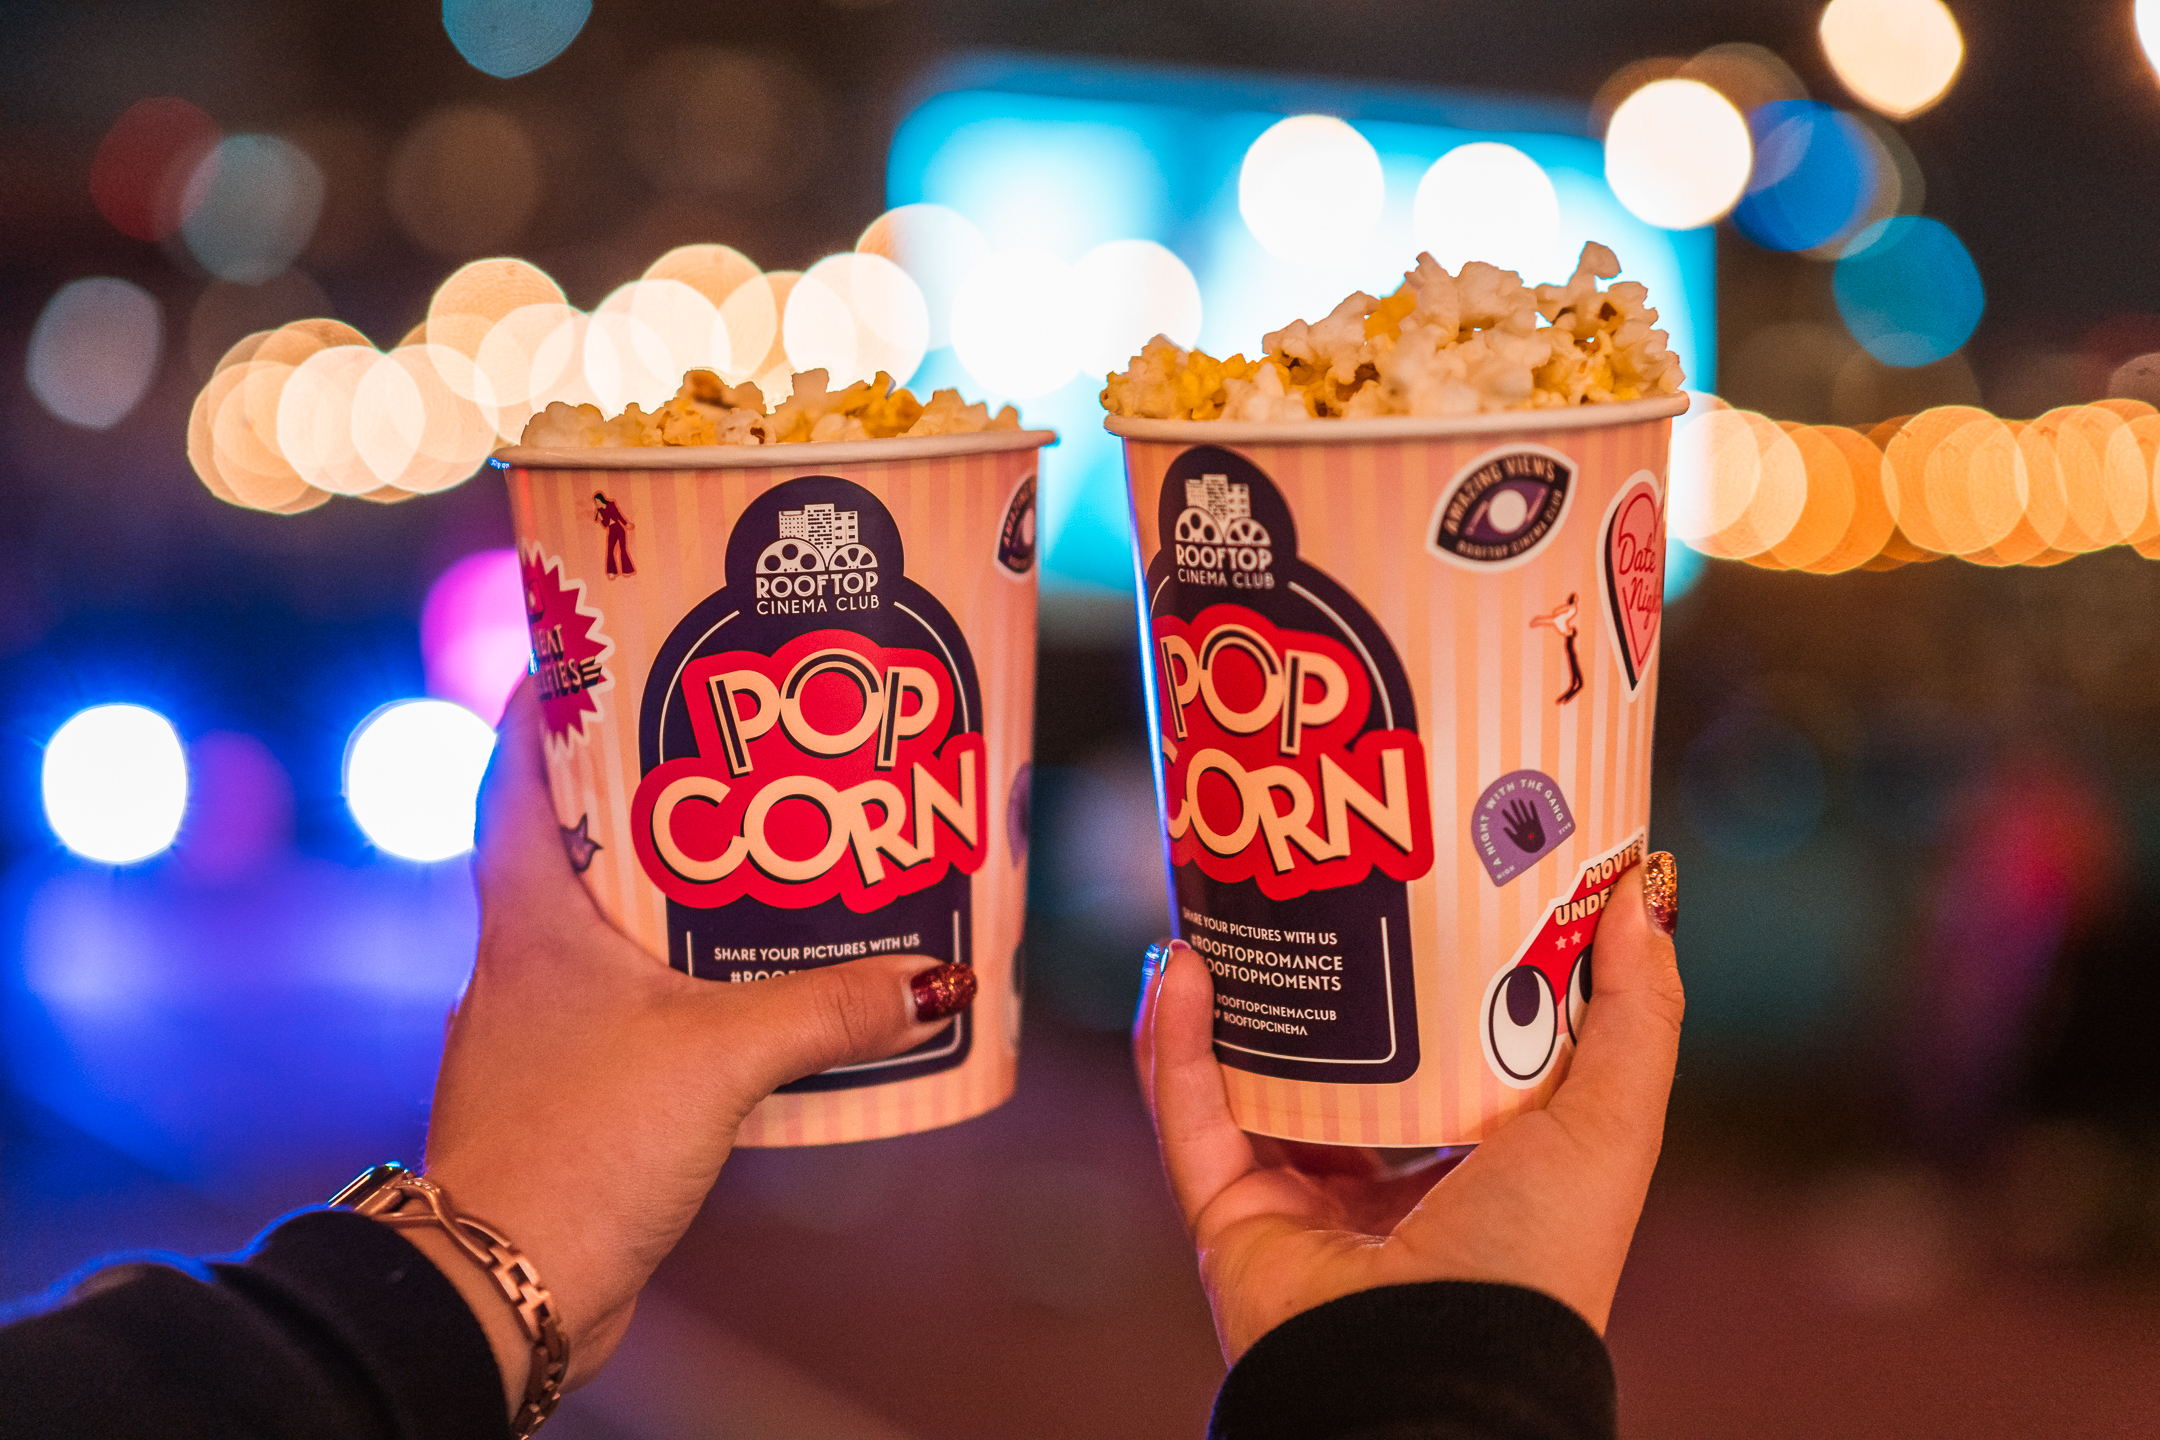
295 415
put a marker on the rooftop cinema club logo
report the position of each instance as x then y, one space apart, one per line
817 565
1217 541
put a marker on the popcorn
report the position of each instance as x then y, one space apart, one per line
1441 344
708 411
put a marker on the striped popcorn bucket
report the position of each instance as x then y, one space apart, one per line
789 699
1401 675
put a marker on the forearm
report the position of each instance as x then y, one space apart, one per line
1445 1360
334 1326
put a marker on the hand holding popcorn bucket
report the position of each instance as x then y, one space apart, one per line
789 700
1401 583
1401 676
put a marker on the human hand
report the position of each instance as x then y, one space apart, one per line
1550 1202
589 1094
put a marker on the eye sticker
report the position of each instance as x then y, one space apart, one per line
1502 507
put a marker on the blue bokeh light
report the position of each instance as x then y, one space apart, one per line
507 38
1908 290
1815 172
1057 157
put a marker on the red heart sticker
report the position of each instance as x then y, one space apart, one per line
1634 555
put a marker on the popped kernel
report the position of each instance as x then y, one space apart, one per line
1441 344
709 411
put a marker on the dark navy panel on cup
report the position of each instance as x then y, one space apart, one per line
816 595
1293 784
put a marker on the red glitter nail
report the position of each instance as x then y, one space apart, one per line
942 991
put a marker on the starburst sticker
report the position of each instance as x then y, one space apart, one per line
569 652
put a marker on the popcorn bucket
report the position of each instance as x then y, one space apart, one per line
1401 674
789 698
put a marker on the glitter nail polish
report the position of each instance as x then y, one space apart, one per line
942 991
1661 891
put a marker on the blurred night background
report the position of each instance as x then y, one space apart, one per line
1912 1183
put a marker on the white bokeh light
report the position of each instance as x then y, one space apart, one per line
1488 201
853 315
938 247
1896 56
1311 189
115 783
412 777
1677 154
1130 292
1016 324
94 350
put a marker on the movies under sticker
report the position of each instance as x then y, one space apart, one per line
1294 784
814 777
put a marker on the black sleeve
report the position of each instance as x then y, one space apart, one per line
1448 1360
333 1327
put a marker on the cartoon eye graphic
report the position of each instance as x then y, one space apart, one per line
789 557
1196 527
1522 1023
1578 993
1502 512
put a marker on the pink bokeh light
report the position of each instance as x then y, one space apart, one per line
473 639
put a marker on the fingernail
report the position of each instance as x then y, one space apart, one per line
1158 955
941 991
1661 891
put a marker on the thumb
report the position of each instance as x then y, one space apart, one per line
1613 1099
802 1024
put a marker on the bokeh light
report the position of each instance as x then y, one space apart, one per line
1896 56
1749 75
139 176
1017 327
1311 189
1908 290
938 247
412 777
473 638
315 419
250 207
1816 170
115 783
1488 201
1677 154
1737 486
94 350
853 315
645 335
2145 15
1130 292
507 38
465 180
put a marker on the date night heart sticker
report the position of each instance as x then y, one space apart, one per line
1634 556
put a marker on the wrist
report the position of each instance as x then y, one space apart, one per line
505 1337
495 1270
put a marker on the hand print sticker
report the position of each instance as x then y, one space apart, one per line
1519 820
